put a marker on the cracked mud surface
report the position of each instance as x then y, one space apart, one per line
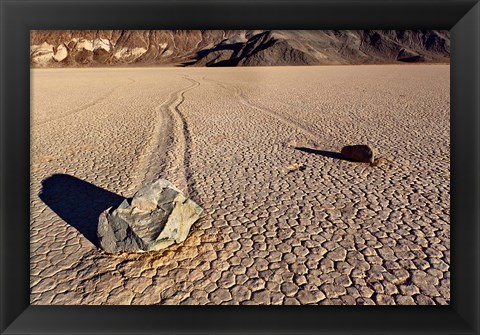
286 221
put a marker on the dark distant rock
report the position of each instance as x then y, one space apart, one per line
67 48
358 153
156 217
406 55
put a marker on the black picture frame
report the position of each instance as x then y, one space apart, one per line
18 17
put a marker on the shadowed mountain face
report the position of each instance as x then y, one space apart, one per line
72 48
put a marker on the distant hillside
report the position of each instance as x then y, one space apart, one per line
75 48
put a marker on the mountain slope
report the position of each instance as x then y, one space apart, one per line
65 48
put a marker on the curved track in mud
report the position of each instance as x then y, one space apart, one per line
291 122
86 106
167 153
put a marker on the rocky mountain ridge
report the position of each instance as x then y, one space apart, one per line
70 48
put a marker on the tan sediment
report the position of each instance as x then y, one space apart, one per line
282 225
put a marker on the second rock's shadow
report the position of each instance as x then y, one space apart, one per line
324 153
78 202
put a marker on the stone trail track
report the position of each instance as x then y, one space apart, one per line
331 232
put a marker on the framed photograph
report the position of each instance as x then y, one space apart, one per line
160 157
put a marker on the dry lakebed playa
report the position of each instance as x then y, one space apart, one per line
286 220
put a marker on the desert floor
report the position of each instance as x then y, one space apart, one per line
286 220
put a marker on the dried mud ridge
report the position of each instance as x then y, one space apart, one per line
281 225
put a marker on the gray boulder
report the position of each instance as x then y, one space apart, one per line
157 216
358 153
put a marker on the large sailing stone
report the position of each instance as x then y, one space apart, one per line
358 153
157 216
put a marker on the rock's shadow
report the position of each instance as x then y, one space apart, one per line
77 202
329 154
